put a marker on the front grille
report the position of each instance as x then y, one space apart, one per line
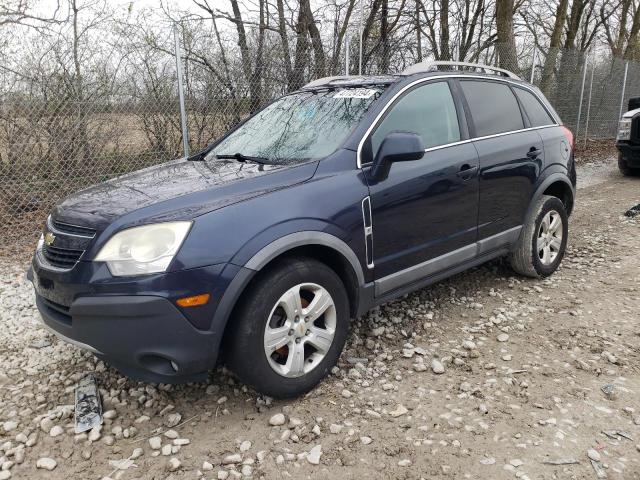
62 227
64 244
61 257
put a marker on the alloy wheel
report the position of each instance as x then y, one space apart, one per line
300 330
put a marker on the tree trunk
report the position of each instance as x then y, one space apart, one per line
554 47
445 52
282 31
384 36
506 42
316 40
632 52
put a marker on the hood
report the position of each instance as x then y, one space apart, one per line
176 189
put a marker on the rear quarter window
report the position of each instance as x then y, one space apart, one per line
494 108
533 108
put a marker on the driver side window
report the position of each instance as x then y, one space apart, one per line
428 111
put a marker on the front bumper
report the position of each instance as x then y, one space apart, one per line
630 153
133 323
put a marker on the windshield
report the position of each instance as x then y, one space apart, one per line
299 127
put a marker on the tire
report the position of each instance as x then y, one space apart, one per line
271 303
625 169
622 166
525 258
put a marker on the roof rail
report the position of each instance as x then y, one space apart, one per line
430 66
327 80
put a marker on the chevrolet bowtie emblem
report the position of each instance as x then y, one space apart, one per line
49 238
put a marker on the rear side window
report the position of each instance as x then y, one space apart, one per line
428 111
538 115
494 108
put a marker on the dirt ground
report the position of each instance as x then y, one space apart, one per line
521 396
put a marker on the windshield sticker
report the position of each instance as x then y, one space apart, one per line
355 93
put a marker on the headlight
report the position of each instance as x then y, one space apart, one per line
143 250
624 129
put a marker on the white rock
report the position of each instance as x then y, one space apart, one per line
247 470
173 465
365 440
437 366
46 463
181 442
56 431
245 446
404 463
46 424
173 419
137 453
9 426
5 475
223 475
468 345
206 466
94 433
277 420
172 434
155 443
233 458
167 450
399 411
335 428
503 337
314 455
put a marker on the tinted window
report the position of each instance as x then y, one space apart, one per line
493 106
428 111
538 115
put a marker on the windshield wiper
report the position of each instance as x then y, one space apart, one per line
244 158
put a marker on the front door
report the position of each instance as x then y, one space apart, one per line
425 213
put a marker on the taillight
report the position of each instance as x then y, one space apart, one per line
569 134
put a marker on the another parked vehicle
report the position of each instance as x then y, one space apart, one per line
333 199
628 140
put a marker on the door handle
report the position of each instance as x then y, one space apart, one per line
533 152
467 171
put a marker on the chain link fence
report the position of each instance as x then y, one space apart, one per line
70 120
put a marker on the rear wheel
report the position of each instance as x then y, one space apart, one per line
543 239
290 329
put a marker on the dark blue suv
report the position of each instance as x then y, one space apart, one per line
329 201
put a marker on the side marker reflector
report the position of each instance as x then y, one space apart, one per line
194 301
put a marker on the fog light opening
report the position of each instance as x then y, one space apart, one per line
174 365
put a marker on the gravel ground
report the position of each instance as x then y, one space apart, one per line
486 375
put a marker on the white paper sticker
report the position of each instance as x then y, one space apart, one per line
355 93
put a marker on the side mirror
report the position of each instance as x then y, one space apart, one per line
396 147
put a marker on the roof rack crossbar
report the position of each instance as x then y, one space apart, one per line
429 66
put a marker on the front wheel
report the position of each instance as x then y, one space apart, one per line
543 239
289 329
625 169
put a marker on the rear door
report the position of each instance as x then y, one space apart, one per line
426 208
511 156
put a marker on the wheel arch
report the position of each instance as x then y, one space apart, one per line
556 185
321 246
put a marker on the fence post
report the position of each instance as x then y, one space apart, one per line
533 62
586 125
183 113
624 87
346 54
360 34
584 78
